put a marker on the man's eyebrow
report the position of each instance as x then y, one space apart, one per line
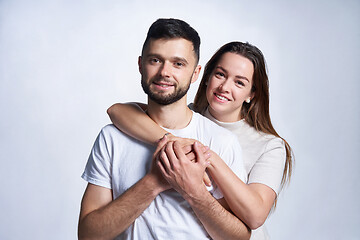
174 59
153 55
237 76
180 59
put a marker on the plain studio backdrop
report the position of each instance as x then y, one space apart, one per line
63 63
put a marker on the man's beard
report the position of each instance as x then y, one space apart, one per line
164 99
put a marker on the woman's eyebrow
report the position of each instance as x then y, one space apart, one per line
237 76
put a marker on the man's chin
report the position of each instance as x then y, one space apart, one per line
162 101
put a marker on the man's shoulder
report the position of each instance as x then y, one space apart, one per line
111 134
110 130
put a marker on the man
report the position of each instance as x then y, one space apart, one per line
127 197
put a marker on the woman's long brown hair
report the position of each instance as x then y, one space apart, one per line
255 113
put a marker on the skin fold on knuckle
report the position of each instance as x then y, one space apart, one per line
162 156
177 146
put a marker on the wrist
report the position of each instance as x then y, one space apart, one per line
214 162
197 196
152 182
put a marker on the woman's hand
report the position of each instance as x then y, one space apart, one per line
187 146
184 176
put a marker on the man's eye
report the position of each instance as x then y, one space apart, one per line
154 60
179 64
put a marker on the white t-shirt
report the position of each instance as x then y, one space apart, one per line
118 161
264 157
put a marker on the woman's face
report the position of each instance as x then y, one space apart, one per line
229 86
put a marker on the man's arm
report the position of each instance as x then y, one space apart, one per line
186 177
218 221
101 217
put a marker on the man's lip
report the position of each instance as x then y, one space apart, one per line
163 83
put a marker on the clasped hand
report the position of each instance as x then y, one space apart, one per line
182 163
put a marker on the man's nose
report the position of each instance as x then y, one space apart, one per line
165 70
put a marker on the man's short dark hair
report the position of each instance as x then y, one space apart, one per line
173 28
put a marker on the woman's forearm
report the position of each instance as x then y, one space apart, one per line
251 203
132 120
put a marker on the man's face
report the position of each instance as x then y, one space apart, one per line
167 67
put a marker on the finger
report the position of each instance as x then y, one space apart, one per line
161 144
207 155
162 169
187 149
205 149
199 154
178 151
191 156
163 158
173 158
206 180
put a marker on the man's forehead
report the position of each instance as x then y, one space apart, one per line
173 46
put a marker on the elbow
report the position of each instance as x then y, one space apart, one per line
82 233
255 222
113 110
110 110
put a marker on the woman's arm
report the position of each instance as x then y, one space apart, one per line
251 203
132 120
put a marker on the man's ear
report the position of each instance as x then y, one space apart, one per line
139 64
196 73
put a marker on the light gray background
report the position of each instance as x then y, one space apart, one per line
62 63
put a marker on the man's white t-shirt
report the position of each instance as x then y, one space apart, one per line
118 161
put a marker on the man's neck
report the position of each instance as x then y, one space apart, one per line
173 116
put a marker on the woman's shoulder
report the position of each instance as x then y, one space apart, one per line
259 137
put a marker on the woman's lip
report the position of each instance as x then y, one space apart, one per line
221 98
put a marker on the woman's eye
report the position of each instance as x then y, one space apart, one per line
240 83
220 74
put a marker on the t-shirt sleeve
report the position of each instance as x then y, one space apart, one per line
232 155
269 168
98 167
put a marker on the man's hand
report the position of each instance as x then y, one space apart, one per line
184 176
187 145
154 170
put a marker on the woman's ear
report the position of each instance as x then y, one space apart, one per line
252 95
248 100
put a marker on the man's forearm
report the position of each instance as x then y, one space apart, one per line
218 222
112 219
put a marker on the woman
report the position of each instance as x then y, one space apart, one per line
234 93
